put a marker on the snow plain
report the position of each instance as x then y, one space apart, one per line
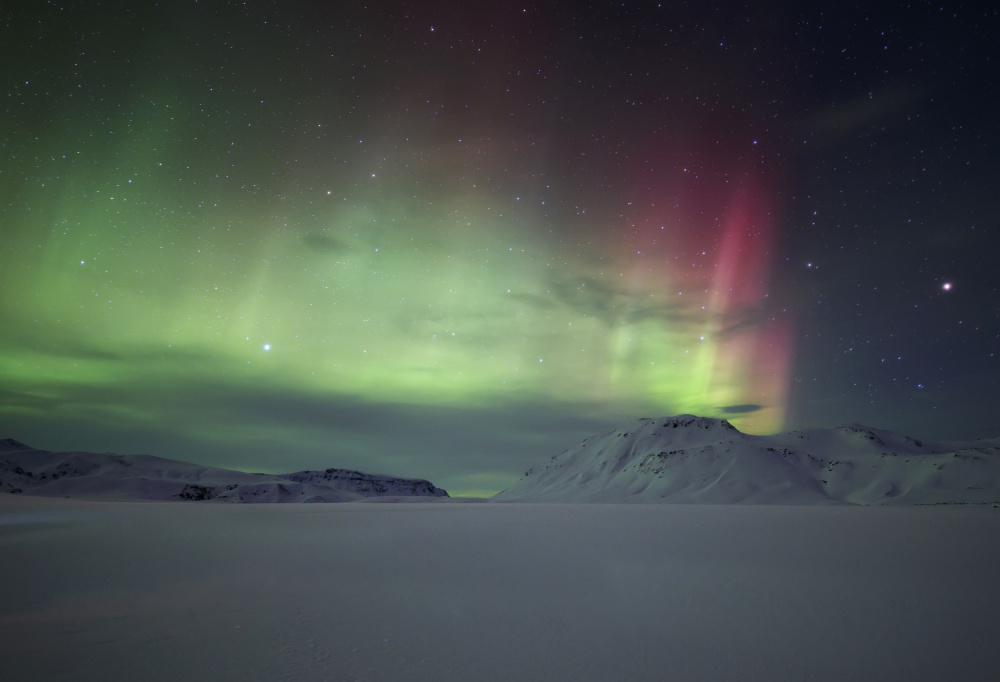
93 590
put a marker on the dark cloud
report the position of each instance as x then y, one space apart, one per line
604 300
741 409
741 320
848 116
317 241
48 342
25 399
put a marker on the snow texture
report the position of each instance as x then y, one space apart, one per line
26 470
95 591
687 459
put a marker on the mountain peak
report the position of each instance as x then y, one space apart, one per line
690 459
11 445
693 422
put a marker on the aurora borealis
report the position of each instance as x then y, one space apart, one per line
440 241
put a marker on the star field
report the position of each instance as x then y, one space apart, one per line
443 240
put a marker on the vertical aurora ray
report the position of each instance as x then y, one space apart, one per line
703 249
751 358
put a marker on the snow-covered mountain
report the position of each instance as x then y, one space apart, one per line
687 459
26 470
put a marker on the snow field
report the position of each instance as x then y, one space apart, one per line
518 591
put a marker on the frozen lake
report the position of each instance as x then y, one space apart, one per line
449 591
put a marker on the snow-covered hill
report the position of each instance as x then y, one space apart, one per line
26 470
687 459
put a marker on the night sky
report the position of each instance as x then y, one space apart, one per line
449 240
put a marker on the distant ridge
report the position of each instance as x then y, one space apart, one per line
692 460
11 445
28 471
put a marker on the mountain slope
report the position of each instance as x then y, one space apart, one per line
687 459
26 470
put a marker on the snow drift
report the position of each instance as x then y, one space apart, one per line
24 469
688 459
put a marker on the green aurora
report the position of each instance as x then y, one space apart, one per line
439 243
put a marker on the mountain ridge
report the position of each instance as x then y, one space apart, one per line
30 471
692 460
